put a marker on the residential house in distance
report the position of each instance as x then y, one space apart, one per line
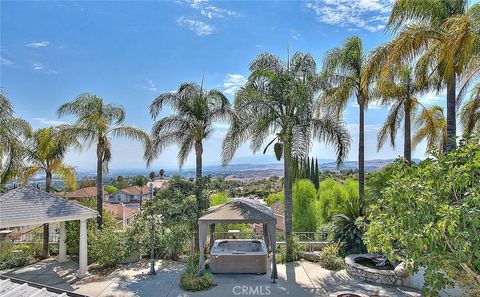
158 184
123 214
131 196
83 193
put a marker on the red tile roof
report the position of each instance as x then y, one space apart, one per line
136 190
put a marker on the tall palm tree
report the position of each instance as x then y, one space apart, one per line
399 91
442 34
97 122
279 99
46 151
346 76
432 127
12 149
195 112
470 113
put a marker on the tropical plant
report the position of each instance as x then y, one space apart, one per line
12 149
399 91
432 127
97 122
346 76
332 195
304 206
470 113
349 226
441 36
46 149
279 99
161 173
195 112
431 212
151 175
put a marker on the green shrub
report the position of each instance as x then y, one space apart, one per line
109 247
218 198
329 258
304 199
173 242
274 197
190 281
281 255
332 195
13 260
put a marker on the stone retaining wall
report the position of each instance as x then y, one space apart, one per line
386 277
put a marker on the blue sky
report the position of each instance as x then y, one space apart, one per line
129 52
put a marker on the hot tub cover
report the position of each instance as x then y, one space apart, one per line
239 210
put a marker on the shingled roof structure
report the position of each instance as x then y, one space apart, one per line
28 206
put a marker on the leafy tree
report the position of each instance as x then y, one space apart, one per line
470 113
97 123
274 197
12 149
332 195
304 206
432 127
346 75
46 150
151 175
430 211
440 36
195 112
218 198
110 189
120 182
279 98
161 173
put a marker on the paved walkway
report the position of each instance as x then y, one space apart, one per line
299 279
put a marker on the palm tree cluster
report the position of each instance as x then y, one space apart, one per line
287 104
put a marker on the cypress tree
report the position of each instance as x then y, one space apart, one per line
317 175
312 171
307 168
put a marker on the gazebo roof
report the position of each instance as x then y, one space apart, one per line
238 210
30 206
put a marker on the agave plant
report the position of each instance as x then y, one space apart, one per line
349 225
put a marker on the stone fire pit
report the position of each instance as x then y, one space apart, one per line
365 273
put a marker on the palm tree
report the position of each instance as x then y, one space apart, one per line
46 151
346 77
279 99
442 33
432 127
96 123
399 91
195 112
470 113
12 133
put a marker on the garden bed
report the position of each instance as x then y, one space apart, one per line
357 268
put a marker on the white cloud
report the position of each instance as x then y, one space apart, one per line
210 11
233 82
199 27
48 122
295 34
38 66
370 15
37 44
150 86
4 61
432 98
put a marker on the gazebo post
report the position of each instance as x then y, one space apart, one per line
82 250
62 246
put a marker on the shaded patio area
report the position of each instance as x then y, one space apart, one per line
300 279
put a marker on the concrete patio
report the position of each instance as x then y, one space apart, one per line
301 278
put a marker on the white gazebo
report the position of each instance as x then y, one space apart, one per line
25 206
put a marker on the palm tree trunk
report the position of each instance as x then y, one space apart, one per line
407 142
287 185
451 114
198 154
46 227
99 183
361 151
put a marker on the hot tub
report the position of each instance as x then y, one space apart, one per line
238 256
